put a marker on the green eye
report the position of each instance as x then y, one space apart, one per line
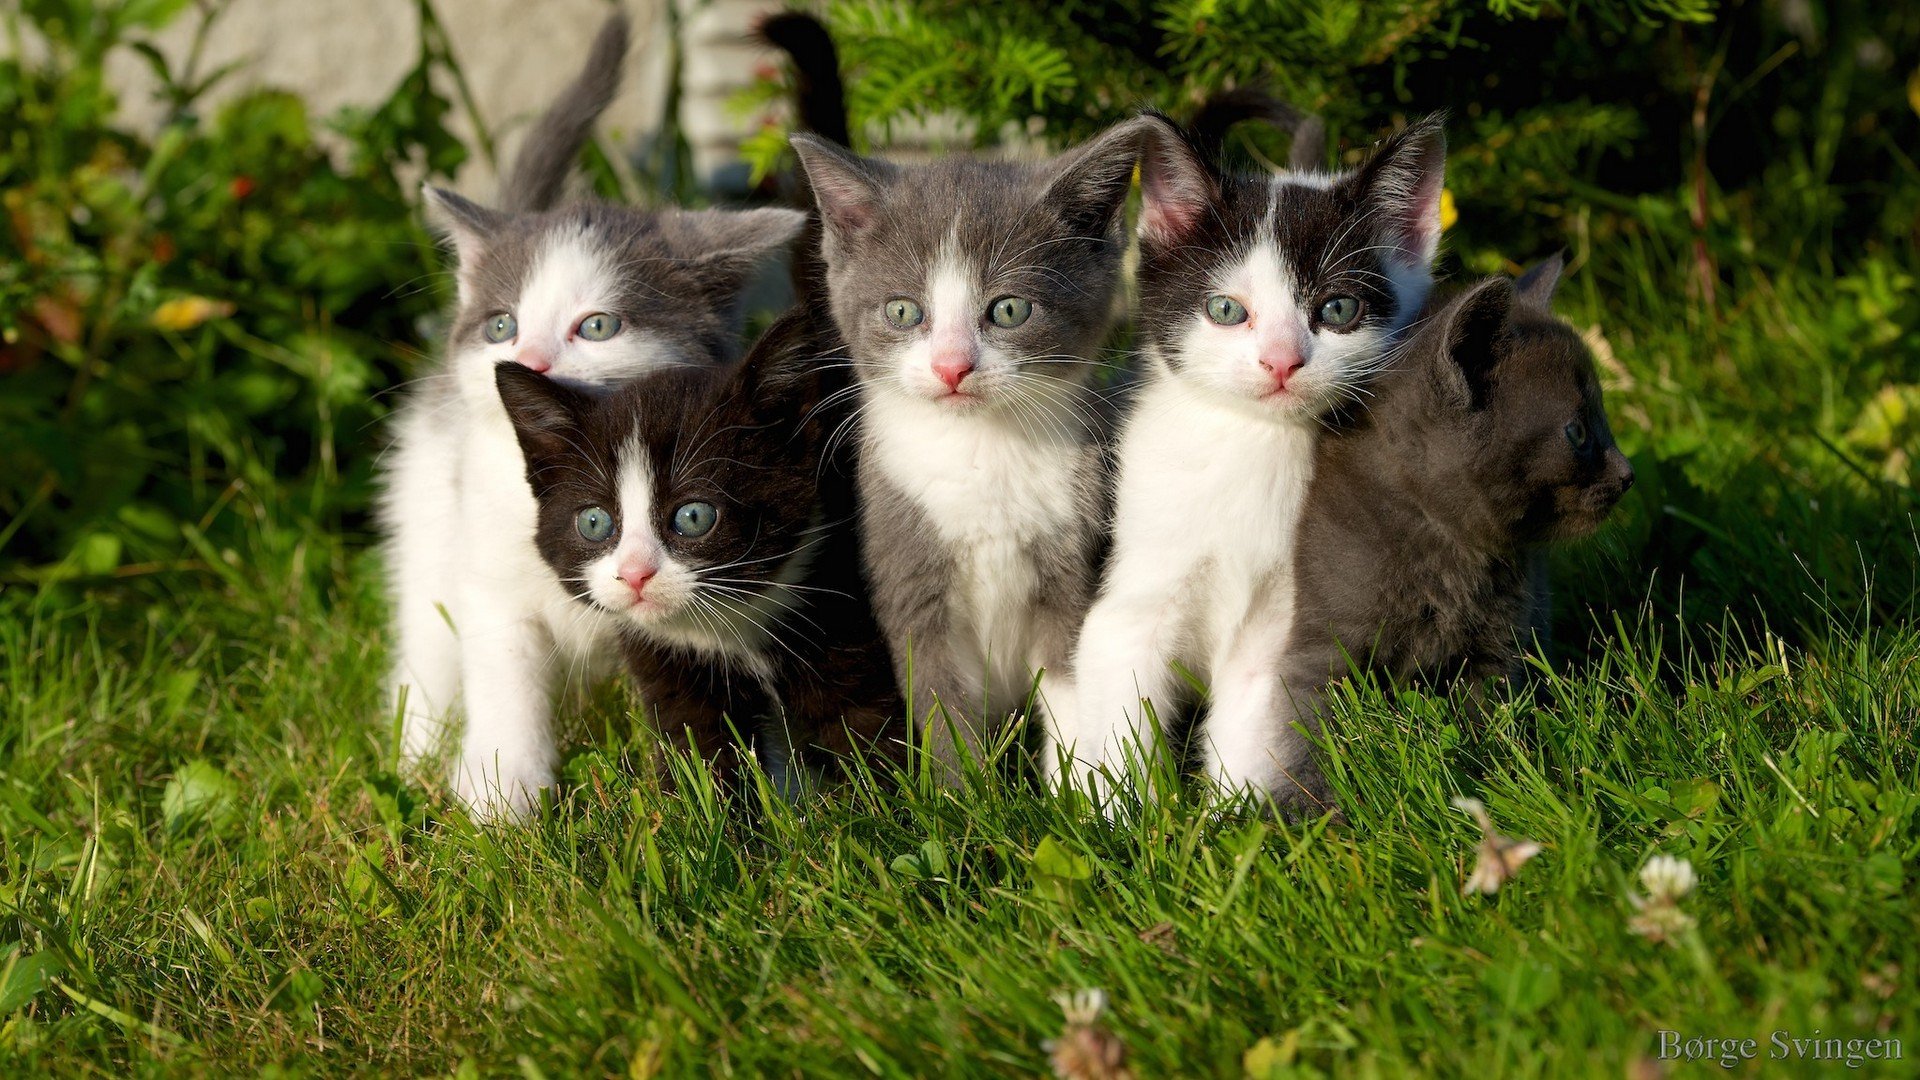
501 327
599 326
903 312
1010 311
594 524
1225 310
1340 311
1577 434
695 519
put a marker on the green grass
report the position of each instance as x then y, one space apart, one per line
213 867
209 864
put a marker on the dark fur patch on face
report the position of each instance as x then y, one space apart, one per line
1051 233
1354 234
746 440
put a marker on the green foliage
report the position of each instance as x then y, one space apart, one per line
197 318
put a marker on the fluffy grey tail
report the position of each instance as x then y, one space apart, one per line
1208 129
820 98
547 157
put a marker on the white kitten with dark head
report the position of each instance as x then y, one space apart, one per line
1265 302
590 294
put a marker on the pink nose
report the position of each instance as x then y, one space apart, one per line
538 363
952 367
1281 365
637 576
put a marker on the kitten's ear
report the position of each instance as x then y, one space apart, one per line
1536 286
1090 182
737 243
1470 330
1403 180
846 187
469 224
545 415
784 375
1177 189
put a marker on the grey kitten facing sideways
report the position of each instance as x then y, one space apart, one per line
590 294
974 297
1420 552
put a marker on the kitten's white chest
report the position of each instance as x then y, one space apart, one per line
994 491
1211 496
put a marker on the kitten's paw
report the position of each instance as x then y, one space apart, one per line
500 794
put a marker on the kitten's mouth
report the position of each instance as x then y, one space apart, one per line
958 399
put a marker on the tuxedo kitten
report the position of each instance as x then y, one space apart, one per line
693 511
1420 548
1265 302
591 294
974 297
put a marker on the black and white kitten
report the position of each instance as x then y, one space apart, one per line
693 511
1265 301
591 294
1421 547
974 297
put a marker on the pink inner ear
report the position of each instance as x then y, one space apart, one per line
1169 221
1417 224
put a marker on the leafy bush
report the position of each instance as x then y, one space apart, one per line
200 320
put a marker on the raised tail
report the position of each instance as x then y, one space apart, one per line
1208 128
547 157
820 97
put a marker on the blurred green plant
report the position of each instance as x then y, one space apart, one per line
201 317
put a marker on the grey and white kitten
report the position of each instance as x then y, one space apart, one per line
591 294
974 297
1265 302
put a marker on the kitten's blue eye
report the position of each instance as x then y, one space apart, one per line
594 524
599 326
695 519
1225 310
1577 434
1340 311
1010 311
903 312
501 327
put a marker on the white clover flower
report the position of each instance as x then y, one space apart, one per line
1667 878
1086 1049
1499 857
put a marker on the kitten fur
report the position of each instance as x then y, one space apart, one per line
1420 553
1216 453
762 619
981 471
482 628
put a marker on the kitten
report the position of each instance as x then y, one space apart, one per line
1265 302
695 511
592 294
974 297
1420 548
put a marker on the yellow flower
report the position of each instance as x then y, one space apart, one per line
187 312
1448 214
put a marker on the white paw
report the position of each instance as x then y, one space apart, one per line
500 792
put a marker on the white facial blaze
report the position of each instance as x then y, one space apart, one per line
637 551
571 278
953 330
1281 328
